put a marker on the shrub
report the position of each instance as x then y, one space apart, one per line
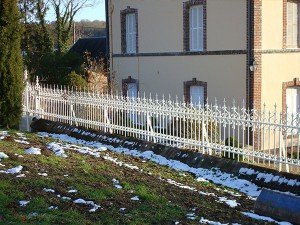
75 80
11 64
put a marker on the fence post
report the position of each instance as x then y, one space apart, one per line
37 99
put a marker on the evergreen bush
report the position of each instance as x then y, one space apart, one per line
11 64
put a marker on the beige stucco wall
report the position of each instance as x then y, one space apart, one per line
272 24
160 24
276 69
225 75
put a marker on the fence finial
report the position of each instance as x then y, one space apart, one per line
37 81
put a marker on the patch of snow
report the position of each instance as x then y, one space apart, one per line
33 151
21 175
22 142
191 216
94 208
48 190
231 203
2 164
214 175
23 203
135 198
66 175
3 155
33 214
269 177
43 174
66 198
264 218
72 191
57 149
52 207
79 201
15 170
205 221
116 183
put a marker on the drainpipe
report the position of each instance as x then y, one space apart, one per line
107 42
249 50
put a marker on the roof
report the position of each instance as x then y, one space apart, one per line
96 46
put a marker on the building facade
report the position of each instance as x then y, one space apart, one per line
247 50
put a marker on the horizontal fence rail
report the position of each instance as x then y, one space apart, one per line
270 138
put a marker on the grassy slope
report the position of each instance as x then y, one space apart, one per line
161 202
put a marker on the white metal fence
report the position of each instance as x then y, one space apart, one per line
271 138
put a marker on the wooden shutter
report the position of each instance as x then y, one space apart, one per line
131 33
197 95
293 24
293 100
196 28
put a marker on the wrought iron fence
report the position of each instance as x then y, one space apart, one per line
268 137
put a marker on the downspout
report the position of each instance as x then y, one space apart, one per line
249 51
107 42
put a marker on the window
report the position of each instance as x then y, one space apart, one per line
131 33
195 92
293 24
293 100
197 95
196 28
130 87
194 25
132 90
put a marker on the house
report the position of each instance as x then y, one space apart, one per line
206 49
94 52
95 45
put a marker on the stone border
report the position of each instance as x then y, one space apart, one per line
221 52
123 14
194 82
186 23
189 157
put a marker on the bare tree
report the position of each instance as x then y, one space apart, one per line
65 11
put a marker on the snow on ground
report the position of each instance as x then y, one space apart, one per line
268 177
21 175
135 198
22 142
94 206
14 170
72 191
116 183
49 190
33 151
43 174
264 218
23 203
205 221
57 149
231 203
3 156
214 175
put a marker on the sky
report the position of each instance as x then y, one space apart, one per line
96 12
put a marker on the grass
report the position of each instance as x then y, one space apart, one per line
160 202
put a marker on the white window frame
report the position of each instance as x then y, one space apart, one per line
293 24
131 32
196 28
